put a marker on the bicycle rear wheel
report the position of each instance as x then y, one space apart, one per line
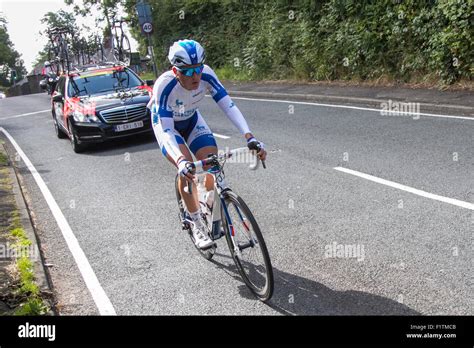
247 246
208 253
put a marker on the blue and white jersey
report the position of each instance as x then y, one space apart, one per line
172 106
170 99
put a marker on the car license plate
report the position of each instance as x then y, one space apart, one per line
128 126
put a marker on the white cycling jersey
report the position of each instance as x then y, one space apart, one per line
174 108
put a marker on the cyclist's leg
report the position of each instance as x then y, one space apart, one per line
202 143
202 153
191 201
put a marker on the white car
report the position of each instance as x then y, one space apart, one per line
2 95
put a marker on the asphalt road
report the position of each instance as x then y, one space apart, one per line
415 253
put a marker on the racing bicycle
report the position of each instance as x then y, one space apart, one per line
58 52
229 216
121 43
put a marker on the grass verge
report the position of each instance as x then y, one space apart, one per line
23 294
3 159
31 301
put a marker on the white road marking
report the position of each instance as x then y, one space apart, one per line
27 114
221 136
356 108
415 191
101 300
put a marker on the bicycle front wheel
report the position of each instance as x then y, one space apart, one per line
247 246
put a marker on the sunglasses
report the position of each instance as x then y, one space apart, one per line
191 71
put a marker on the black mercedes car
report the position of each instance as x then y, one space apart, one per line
98 103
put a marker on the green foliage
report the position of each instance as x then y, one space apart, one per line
28 286
3 159
230 72
103 10
60 19
34 306
33 303
9 57
404 40
147 76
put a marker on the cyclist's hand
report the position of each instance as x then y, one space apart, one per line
185 170
254 144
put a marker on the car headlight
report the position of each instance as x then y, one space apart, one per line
80 117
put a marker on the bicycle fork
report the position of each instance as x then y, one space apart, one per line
237 247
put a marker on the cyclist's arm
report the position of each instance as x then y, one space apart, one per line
220 96
162 113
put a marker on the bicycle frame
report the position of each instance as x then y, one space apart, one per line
220 186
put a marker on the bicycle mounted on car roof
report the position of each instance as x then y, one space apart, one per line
67 51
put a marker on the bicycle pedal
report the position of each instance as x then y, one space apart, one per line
213 245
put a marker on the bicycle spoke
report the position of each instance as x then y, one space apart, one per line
250 258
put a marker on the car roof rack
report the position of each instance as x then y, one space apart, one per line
77 70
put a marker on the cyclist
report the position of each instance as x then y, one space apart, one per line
179 127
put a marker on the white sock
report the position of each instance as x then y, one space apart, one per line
196 216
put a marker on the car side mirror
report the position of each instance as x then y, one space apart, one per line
150 83
58 98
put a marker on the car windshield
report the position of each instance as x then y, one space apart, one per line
102 82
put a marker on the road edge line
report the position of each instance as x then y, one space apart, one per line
103 303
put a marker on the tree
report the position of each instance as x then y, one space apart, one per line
107 8
60 19
9 58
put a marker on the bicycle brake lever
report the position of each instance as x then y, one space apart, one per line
256 165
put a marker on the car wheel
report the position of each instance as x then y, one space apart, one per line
59 132
76 146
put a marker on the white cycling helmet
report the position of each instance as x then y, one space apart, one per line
186 52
